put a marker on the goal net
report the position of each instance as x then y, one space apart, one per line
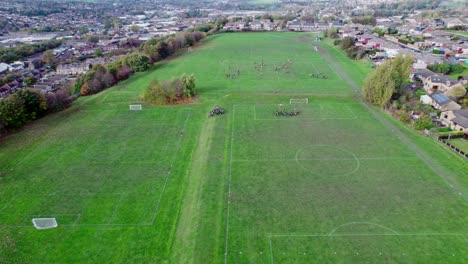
44 223
136 107
299 101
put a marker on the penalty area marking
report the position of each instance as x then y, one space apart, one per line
154 212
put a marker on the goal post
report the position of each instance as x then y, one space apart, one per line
44 223
299 101
135 107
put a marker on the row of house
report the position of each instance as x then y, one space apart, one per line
437 87
277 25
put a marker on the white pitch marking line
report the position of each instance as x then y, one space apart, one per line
179 143
271 252
115 208
226 240
366 223
367 234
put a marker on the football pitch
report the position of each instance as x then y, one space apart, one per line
338 183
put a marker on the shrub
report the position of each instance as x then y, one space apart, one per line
124 73
171 91
154 93
452 134
420 92
85 89
404 117
424 122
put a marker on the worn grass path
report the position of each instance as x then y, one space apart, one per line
449 178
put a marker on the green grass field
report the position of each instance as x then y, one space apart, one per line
340 182
460 143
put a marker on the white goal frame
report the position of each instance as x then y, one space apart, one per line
299 101
44 223
135 107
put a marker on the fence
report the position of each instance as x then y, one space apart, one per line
459 151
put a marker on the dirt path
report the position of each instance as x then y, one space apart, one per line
185 240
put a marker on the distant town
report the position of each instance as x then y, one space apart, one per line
83 34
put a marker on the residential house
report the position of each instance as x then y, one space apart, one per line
440 101
269 26
456 22
438 83
322 26
73 68
256 25
294 25
456 119
419 75
419 65
234 26
4 67
306 26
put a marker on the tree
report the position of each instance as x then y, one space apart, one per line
189 88
124 73
137 62
63 99
85 89
12 112
108 80
154 93
113 67
30 81
170 91
347 43
135 28
37 63
401 68
423 122
386 80
379 86
49 59
51 100
457 91
456 68
34 103
98 52
93 39
95 85
83 31
331 33
162 50
440 68
379 31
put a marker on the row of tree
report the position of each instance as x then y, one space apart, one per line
446 68
100 77
28 105
154 50
9 55
353 52
171 91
